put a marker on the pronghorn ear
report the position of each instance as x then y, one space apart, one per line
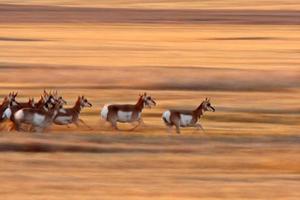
145 94
16 94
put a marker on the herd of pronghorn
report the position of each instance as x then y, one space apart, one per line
36 117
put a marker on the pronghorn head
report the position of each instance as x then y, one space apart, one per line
12 99
206 105
148 100
84 102
59 98
48 98
50 102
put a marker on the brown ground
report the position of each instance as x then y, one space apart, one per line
244 55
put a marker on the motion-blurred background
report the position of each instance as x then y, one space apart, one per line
244 55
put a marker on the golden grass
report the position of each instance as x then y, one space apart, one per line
171 4
246 63
139 166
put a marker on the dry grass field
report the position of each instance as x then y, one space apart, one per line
243 55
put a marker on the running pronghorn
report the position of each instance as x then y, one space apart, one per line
14 108
38 118
127 113
68 116
187 118
7 104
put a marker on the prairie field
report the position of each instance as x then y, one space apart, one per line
242 55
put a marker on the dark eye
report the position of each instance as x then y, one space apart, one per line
85 100
208 104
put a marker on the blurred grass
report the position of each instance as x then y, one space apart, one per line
243 55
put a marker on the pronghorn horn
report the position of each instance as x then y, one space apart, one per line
45 93
16 94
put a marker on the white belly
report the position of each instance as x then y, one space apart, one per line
185 120
166 115
38 120
124 116
62 110
104 112
64 119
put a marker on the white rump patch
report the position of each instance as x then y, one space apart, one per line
185 120
124 116
104 112
19 115
166 115
7 113
38 119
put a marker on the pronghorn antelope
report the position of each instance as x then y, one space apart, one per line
187 118
38 118
7 104
68 116
127 113
14 108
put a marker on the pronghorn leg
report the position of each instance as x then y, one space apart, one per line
12 127
176 121
18 127
177 128
31 128
169 128
38 129
139 122
199 126
114 125
85 124
112 119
